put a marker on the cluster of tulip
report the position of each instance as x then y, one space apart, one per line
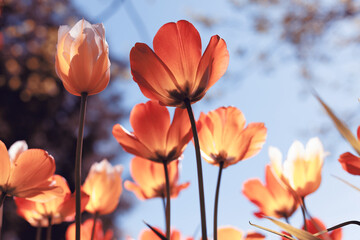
176 74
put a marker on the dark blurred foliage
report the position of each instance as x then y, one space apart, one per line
34 105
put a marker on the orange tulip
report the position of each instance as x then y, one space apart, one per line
154 138
274 199
223 138
26 173
150 179
302 168
175 70
86 229
59 209
315 225
350 162
148 234
103 185
227 233
82 61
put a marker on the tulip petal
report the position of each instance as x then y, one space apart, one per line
257 134
179 46
179 133
31 172
225 233
130 143
16 149
350 163
213 64
150 73
151 123
4 165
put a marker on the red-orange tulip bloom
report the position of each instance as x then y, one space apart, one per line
175 70
231 233
224 138
59 209
315 225
154 138
104 186
25 173
302 168
86 229
148 234
82 61
350 162
149 179
274 199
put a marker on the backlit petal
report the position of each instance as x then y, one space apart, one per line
4 164
16 149
227 233
179 46
350 163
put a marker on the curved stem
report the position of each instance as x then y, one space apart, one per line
303 210
96 215
167 192
48 232
199 168
221 167
38 232
340 225
79 146
164 205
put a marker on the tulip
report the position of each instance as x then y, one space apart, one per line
350 162
301 170
224 139
154 138
176 71
273 199
26 173
82 61
150 180
315 225
86 231
148 234
58 209
103 185
227 233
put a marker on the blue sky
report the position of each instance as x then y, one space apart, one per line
272 92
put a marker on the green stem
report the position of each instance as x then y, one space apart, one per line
38 232
79 146
199 169
167 192
96 215
2 199
221 167
48 232
303 210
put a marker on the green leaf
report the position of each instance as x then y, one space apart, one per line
343 129
298 233
162 237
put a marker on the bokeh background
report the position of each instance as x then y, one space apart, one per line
279 51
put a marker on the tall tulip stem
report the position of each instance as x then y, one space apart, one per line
221 167
199 168
38 232
303 210
48 231
96 215
79 146
167 192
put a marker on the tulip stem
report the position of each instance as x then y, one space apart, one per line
221 167
303 210
96 215
38 232
199 168
167 192
164 205
2 199
79 146
48 232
